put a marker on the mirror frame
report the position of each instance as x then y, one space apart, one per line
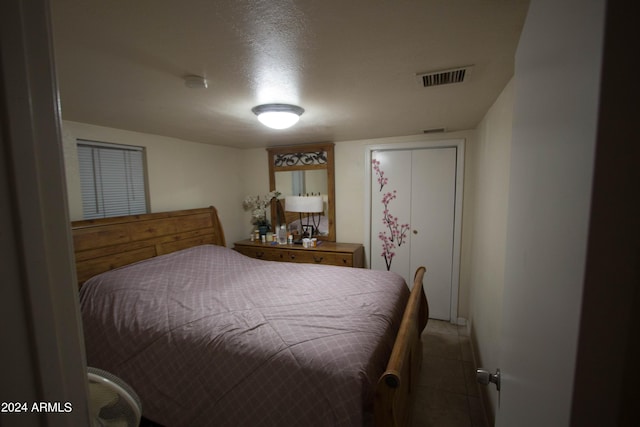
295 159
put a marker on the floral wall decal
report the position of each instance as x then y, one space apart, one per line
381 178
397 232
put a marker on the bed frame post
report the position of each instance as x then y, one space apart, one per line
395 387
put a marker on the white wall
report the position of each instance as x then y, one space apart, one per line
182 174
255 180
557 81
487 181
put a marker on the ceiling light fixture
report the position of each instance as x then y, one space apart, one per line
278 116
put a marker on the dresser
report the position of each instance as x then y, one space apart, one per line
328 253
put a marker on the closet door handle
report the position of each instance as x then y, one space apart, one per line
415 231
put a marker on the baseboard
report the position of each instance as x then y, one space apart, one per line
460 321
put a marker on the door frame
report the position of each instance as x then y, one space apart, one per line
39 308
412 143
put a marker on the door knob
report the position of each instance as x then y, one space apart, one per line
485 377
415 231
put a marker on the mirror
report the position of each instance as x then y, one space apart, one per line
296 183
305 170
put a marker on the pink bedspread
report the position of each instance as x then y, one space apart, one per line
207 336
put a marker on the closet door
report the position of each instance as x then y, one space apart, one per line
433 189
391 211
412 218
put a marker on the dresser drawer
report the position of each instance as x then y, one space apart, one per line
345 260
264 253
311 257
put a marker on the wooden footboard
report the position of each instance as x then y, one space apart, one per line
395 387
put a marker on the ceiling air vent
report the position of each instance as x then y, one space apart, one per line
434 130
445 77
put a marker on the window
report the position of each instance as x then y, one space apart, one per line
112 179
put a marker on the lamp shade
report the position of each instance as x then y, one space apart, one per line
278 116
304 204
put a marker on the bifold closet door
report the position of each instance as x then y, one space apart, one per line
391 211
433 190
412 218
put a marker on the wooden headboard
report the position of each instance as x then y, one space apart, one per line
104 244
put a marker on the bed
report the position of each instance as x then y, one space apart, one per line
207 336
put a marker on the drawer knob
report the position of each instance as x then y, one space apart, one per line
318 259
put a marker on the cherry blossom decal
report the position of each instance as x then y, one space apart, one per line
381 178
396 233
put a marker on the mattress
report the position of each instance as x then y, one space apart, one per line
208 336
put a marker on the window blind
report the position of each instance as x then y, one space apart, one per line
112 179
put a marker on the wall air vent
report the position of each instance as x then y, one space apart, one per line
434 130
445 77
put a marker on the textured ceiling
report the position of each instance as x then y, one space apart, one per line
351 65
